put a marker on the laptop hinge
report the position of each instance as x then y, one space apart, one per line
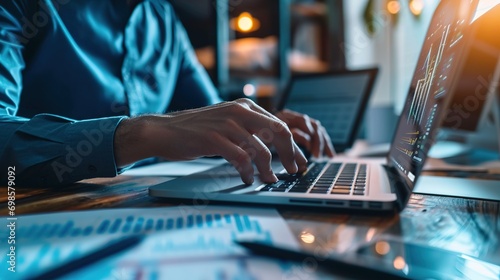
398 186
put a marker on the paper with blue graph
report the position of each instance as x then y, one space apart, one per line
180 241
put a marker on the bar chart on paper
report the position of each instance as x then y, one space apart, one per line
137 224
177 234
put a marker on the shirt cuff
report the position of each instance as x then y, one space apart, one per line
51 150
90 145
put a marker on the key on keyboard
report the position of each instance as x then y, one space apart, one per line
329 181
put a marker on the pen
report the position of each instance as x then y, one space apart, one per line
90 258
331 263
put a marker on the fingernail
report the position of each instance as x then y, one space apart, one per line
275 179
249 179
303 168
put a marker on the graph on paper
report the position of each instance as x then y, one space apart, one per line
176 235
137 224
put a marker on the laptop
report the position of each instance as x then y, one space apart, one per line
337 99
356 183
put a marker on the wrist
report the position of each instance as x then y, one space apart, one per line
131 141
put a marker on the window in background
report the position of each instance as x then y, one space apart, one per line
309 47
392 42
317 30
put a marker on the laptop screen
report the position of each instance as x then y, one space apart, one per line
432 83
337 99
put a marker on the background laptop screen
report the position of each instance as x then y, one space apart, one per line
336 99
432 83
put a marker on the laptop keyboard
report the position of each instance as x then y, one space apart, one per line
324 178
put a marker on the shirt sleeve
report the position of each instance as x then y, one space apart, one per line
194 87
46 150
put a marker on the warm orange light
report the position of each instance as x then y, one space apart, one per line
416 7
245 23
307 237
399 263
393 7
382 248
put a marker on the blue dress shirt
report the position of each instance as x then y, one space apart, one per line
71 70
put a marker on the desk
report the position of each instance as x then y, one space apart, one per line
465 225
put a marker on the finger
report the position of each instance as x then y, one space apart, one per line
285 146
238 158
263 161
253 106
275 123
300 159
257 151
294 119
317 143
329 149
254 117
272 130
302 138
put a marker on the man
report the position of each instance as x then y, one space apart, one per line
71 71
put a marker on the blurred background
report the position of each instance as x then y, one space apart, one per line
252 48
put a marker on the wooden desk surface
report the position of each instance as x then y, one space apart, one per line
463 225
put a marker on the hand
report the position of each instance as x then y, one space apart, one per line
238 131
308 132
